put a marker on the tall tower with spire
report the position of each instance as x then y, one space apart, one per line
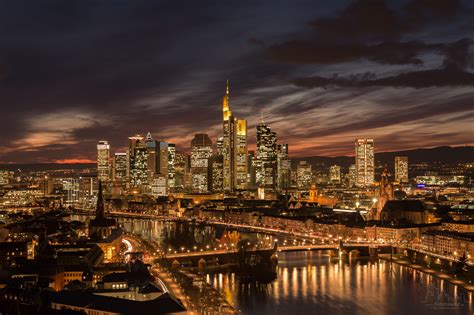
385 192
101 227
234 143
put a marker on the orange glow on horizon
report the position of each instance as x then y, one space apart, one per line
74 161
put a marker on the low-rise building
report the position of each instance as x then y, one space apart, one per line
448 243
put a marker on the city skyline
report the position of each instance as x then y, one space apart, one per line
405 82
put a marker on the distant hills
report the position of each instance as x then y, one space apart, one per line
444 154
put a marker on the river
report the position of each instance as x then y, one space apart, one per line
312 283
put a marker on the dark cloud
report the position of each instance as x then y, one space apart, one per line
416 79
371 30
375 20
74 72
306 52
452 73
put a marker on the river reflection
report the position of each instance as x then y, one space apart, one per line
310 283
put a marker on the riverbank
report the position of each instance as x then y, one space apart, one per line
435 273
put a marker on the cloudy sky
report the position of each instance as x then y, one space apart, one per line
321 72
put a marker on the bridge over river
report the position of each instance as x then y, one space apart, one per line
229 255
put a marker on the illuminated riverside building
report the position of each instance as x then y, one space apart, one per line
335 174
234 148
283 167
201 151
266 159
401 169
119 174
303 175
103 157
364 158
138 162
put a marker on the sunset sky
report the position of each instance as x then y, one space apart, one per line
322 72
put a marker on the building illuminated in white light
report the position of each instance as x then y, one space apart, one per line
364 158
103 157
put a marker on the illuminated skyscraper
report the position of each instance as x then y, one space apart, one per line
216 173
220 146
103 157
283 167
138 162
234 148
252 170
157 158
201 151
120 169
335 174
266 159
364 158
171 165
181 167
401 169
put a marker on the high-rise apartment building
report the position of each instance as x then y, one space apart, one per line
234 148
201 151
364 161
103 158
401 169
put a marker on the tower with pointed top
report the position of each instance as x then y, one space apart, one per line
385 192
101 227
234 148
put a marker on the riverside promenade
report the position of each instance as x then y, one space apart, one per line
465 284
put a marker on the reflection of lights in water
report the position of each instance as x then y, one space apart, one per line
294 281
315 278
304 282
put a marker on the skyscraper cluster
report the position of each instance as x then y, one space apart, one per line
150 166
